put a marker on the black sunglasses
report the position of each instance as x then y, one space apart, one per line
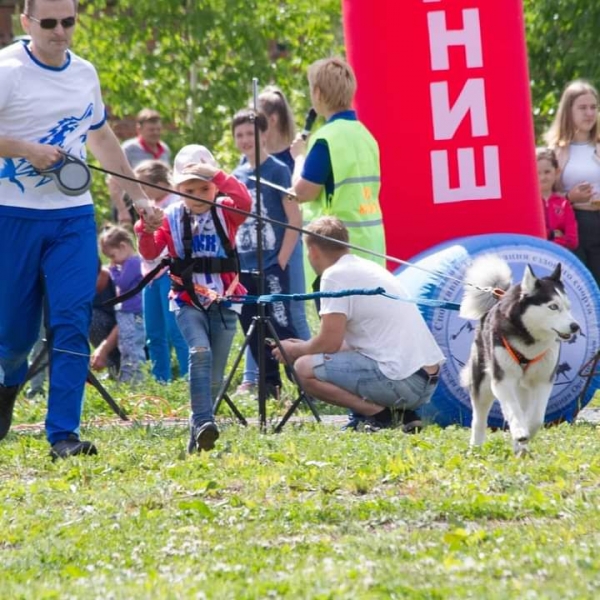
66 23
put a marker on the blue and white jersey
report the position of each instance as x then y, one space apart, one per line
205 242
48 105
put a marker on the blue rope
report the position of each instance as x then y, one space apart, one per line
426 302
267 298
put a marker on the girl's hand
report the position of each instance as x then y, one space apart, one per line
124 217
203 170
282 263
581 192
99 358
152 218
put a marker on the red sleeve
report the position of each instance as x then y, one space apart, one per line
238 196
150 245
570 238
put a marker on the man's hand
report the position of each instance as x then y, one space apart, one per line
292 348
43 156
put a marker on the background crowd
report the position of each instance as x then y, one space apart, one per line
179 208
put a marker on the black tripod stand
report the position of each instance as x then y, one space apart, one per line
589 371
41 362
261 324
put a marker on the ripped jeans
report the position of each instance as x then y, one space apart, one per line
209 335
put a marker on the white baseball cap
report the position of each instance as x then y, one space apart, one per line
188 157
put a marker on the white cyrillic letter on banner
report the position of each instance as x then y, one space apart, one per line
440 38
467 187
446 119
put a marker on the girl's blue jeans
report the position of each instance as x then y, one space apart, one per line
297 310
209 335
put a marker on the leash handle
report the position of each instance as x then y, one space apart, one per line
71 175
60 163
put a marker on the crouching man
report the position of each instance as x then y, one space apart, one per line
373 355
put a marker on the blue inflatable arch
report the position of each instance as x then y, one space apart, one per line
446 264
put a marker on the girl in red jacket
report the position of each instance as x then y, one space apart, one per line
199 235
561 226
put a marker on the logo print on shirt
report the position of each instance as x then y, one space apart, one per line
246 239
13 169
205 243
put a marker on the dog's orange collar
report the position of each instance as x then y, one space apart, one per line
521 360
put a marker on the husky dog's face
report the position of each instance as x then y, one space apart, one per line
546 309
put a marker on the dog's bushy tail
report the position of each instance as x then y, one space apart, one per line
488 271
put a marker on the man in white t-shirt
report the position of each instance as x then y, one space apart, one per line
372 354
50 101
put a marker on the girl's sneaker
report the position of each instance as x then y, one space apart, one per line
203 437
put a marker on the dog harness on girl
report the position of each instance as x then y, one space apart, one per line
182 269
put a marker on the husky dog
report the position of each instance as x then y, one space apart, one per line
516 347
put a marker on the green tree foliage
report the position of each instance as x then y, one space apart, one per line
194 61
562 39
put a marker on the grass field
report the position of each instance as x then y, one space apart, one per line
312 512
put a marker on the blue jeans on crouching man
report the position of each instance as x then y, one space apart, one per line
362 376
209 335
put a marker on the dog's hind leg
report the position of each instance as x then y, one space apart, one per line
481 404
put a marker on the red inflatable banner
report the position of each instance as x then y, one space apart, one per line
443 86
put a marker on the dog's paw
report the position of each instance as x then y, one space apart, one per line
521 447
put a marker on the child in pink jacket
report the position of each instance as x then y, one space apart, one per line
561 226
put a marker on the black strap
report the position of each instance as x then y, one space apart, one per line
187 235
225 241
203 264
165 262
186 267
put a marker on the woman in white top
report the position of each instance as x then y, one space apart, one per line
574 137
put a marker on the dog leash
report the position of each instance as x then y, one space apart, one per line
495 291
